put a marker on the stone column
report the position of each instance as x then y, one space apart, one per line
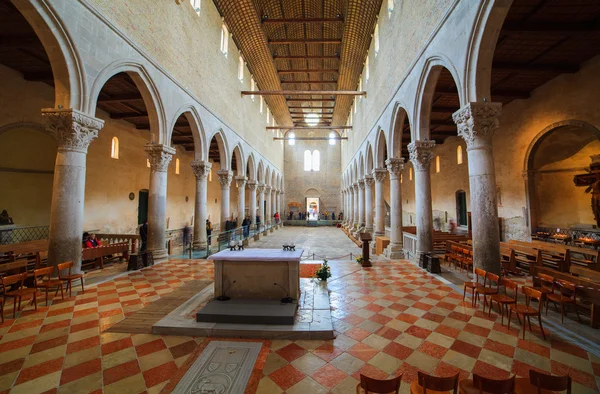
251 185
281 204
369 203
361 202
225 177
355 208
477 123
261 205
379 174
201 169
241 184
159 157
394 250
74 131
344 204
421 155
268 213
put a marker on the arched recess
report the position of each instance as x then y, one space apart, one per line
274 179
428 83
218 150
361 166
354 172
555 155
238 161
129 71
312 193
260 172
369 162
251 168
186 125
381 150
268 176
67 68
401 133
478 74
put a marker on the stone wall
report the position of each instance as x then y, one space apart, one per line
326 182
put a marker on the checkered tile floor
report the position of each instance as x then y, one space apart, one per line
389 319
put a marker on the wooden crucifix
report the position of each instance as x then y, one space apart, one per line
592 180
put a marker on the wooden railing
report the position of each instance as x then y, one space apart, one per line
133 240
409 244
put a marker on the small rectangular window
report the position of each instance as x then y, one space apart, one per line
390 8
241 69
224 39
252 87
261 104
359 89
376 39
196 6
366 69
177 166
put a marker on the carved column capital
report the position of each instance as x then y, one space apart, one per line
421 154
268 189
251 185
261 188
477 123
369 180
225 177
395 165
361 184
380 174
355 187
201 169
159 156
73 130
240 180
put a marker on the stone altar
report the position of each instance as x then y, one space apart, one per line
252 273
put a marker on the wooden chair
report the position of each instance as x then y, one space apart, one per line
487 290
44 280
481 385
370 385
17 293
544 381
567 295
504 300
546 285
470 286
434 385
69 278
526 310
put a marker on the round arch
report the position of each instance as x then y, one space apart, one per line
398 135
361 166
260 172
380 149
268 176
369 162
224 158
240 160
193 118
251 167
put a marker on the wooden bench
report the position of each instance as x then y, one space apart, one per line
587 273
553 255
524 256
96 256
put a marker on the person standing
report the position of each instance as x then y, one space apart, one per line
208 231
144 236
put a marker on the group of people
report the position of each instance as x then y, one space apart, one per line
90 241
306 215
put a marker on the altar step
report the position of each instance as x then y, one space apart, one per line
247 311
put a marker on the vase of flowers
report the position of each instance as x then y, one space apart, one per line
324 272
359 259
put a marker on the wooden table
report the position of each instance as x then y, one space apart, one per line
381 243
257 273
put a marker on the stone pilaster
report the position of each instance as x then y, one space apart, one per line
361 202
421 155
225 178
159 157
241 184
261 204
251 185
355 208
379 174
201 169
268 213
369 203
477 123
395 165
74 131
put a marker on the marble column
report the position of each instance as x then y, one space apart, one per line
421 155
477 123
268 213
201 169
241 184
225 177
281 204
73 131
361 202
344 205
394 250
379 174
369 203
159 157
261 204
355 208
251 185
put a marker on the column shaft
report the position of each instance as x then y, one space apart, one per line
355 208
421 155
361 202
201 169
394 250
369 203
261 205
241 184
252 190
225 177
379 174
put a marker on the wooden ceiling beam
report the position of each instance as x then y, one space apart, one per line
288 57
305 41
309 127
266 20
128 115
18 41
507 94
303 93
553 68
300 107
311 99
550 27
308 71
38 76
121 97
320 82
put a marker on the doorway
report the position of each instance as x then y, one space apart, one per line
312 207
461 207
142 206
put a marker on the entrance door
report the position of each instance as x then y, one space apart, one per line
312 207
461 207
142 206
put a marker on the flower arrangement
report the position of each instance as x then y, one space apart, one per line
324 272
359 259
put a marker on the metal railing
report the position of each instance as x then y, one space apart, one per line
409 244
18 234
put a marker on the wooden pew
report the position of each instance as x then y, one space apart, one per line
99 253
588 291
553 255
585 273
508 260
524 256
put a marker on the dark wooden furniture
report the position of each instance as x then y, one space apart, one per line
548 382
488 289
480 385
43 280
526 310
427 383
504 300
96 256
18 292
567 295
369 385
470 286
69 277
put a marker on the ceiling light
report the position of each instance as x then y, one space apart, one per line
312 119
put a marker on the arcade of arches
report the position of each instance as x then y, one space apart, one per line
415 121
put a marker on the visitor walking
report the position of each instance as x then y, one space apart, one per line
208 231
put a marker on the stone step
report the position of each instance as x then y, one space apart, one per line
247 311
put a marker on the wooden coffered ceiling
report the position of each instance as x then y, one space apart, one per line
303 45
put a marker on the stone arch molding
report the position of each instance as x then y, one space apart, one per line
146 86
193 118
224 156
26 125
312 193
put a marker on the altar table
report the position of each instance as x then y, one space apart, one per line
255 272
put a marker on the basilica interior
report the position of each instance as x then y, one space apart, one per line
293 196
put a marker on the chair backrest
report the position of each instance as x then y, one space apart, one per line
491 277
9 280
371 385
545 381
429 382
546 280
509 284
568 289
531 293
479 273
493 386
64 266
43 272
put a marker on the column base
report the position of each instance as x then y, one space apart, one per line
257 236
394 252
159 255
201 245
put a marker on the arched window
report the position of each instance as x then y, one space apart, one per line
437 164
367 69
268 116
390 7
224 39
148 163
376 39
307 160
401 178
459 157
196 6
292 139
252 87
332 138
410 174
114 149
316 161
241 69
262 104
177 166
